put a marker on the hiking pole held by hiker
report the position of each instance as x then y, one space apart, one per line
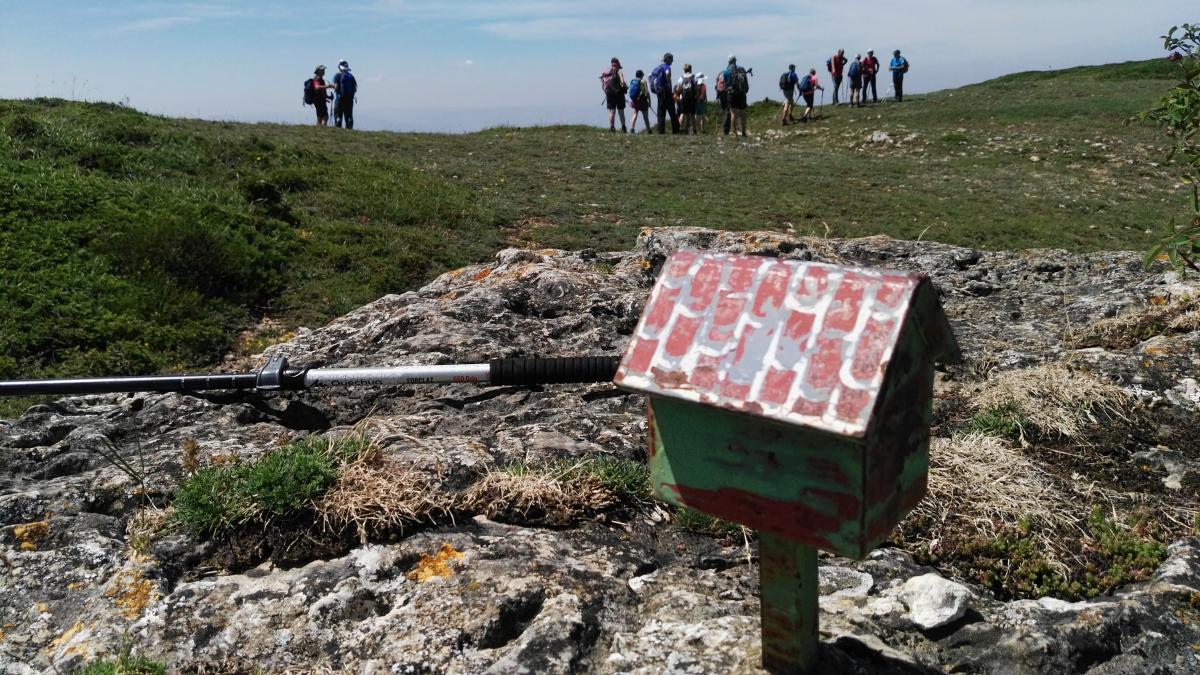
278 375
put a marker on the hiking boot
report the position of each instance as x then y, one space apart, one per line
623 130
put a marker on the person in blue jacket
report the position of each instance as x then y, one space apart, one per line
899 67
346 88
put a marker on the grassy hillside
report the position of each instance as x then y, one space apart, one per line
131 243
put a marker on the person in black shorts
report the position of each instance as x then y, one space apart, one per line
321 96
614 93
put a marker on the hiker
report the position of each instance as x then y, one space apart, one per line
612 81
685 92
723 101
870 67
836 64
899 67
737 84
346 88
660 85
787 83
639 100
701 102
856 81
316 94
808 86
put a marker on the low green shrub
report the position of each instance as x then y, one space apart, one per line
218 499
124 665
1005 421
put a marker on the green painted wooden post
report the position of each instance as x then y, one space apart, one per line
793 398
788 584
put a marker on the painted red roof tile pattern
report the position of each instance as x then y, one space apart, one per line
800 342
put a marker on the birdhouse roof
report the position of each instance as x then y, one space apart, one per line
799 342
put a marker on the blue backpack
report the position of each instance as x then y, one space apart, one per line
853 72
635 87
347 86
806 84
658 79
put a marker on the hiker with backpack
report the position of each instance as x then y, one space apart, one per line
899 67
701 102
856 81
660 86
723 101
612 81
808 86
686 93
870 68
787 83
639 100
835 64
346 88
316 93
737 84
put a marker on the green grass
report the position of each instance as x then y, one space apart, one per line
124 665
131 243
217 499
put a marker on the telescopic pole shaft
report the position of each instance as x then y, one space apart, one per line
277 375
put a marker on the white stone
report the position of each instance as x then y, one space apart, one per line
933 601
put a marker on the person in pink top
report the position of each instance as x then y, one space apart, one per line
808 86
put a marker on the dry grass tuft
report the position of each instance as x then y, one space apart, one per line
1132 328
987 485
1054 401
373 494
536 497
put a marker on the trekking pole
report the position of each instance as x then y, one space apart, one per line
278 375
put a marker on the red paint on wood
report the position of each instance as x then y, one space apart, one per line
847 300
799 325
704 375
741 274
772 290
660 312
682 334
892 292
875 340
679 263
641 356
704 286
729 310
797 521
852 404
816 281
810 407
825 363
777 385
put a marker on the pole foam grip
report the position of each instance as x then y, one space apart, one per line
574 369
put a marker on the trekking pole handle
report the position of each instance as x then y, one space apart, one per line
553 371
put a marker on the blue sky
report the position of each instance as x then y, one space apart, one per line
433 65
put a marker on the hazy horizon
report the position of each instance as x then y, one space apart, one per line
427 65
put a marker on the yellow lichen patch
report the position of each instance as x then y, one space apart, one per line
436 565
77 586
42 607
29 534
130 591
65 637
481 274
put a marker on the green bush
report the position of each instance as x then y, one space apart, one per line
124 665
214 500
1003 422
287 479
218 499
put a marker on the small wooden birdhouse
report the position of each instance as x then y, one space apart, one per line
791 397
794 398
